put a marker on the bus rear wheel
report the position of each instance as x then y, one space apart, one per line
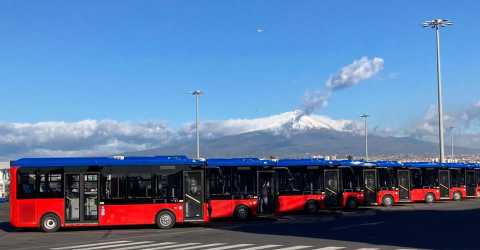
387 201
429 198
50 223
311 207
457 196
165 220
352 204
242 213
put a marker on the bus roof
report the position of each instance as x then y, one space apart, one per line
104 161
238 162
303 162
322 162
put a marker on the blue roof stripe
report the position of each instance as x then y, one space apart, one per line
224 162
104 161
239 162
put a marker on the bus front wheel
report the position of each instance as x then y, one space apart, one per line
352 204
242 213
387 201
429 198
311 207
457 196
50 223
165 220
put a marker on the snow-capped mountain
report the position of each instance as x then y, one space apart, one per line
284 123
289 134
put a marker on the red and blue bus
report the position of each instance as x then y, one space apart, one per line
240 187
50 193
301 185
417 181
246 187
379 183
330 184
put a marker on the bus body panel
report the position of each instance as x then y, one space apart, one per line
111 215
13 197
478 191
418 194
358 195
226 208
382 193
295 203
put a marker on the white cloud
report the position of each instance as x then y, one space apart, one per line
79 138
352 74
105 137
348 76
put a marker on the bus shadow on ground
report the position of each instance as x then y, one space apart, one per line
432 229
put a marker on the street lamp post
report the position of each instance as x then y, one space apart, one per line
437 24
365 116
197 94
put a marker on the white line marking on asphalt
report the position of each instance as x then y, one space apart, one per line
193 247
90 245
261 247
172 246
231 246
330 248
114 245
293 248
148 245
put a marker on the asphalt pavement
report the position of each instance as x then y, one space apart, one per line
443 225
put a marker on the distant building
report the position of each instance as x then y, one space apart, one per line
4 179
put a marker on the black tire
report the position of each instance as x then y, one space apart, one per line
388 201
50 223
352 204
242 213
457 196
165 219
429 198
311 207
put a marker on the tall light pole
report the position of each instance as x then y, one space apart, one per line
437 24
365 116
450 129
197 94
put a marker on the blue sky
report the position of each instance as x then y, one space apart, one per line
136 60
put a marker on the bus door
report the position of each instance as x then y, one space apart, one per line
370 185
444 182
404 184
332 187
470 183
193 196
266 190
81 197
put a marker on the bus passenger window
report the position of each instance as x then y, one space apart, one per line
26 185
139 186
51 185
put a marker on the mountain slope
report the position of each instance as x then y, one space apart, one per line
299 143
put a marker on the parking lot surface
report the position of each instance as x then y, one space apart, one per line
443 225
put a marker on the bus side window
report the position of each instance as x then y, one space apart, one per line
244 183
416 178
27 184
50 184
114 185
168 185
219 183
139 186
